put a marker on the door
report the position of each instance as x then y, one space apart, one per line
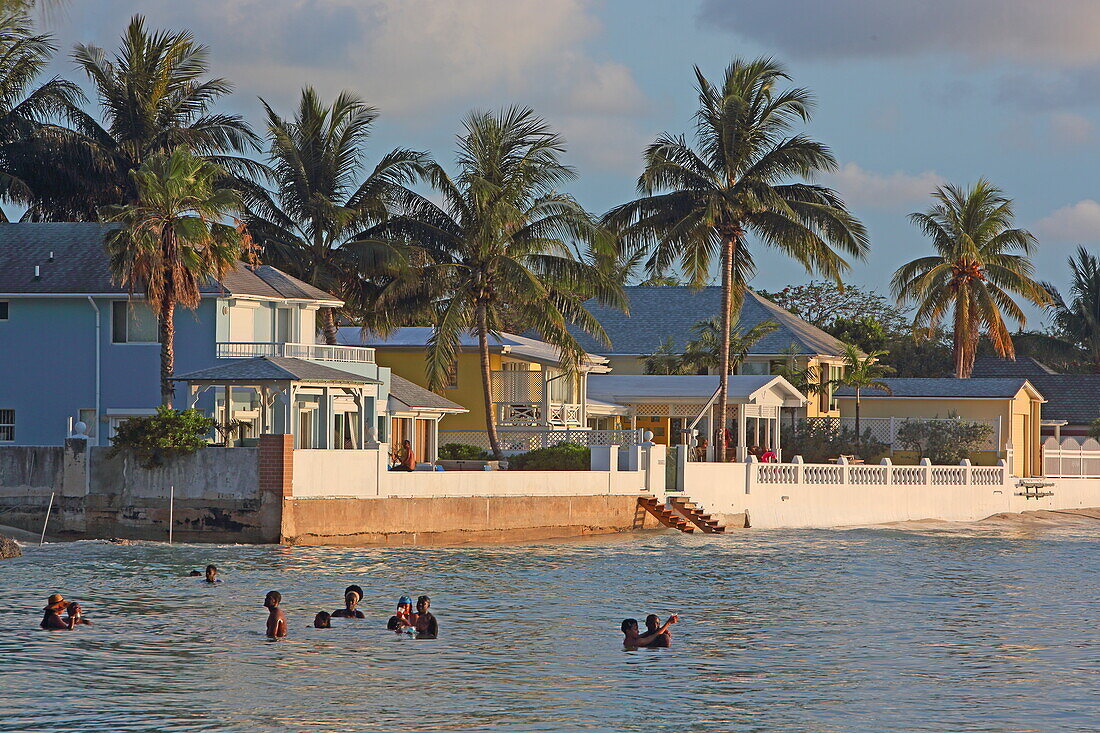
423 443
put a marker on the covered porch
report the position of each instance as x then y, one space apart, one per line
322 407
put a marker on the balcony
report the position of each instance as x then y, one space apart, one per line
534 414
315 352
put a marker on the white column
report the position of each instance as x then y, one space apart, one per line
263 410
327 417
741 436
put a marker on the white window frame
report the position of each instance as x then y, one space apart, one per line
126 303
3 424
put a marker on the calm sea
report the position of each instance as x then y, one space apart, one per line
858 630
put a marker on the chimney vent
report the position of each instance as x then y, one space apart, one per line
51 257
37 272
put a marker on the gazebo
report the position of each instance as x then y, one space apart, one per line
320 406
681 403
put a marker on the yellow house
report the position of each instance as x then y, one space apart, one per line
1011 406
529 389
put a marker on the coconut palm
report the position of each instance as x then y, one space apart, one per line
25 108
172 240
502 245
745 175
309 225
981 260
703 353
863 371
154 96
1079 320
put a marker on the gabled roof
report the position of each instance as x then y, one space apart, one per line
665 388
659 313
1022 366
413 395
80 266
946 388
1074 398
415 338
273 368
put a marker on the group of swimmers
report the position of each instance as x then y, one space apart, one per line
656 634
422 623
55 605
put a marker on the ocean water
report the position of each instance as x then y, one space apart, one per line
960 629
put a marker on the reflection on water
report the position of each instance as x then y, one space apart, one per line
860 630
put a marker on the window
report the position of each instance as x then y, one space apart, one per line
828 402
755 367
3 310
452 375
133 322
7 426
87 416
283 333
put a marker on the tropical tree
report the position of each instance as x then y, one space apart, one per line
863 371
699 204
981 260
309 225
805 378
703 352
25 107
502 245
1079 320
154 96
173 240
663 360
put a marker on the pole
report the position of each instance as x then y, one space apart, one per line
46 520
171 510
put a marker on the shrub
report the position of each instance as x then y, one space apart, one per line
560 457
820 441
944 442
155 439
462 452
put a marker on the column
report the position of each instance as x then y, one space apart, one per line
741 437
327 418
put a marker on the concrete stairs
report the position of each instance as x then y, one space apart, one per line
682 514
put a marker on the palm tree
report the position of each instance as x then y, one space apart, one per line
309 225
154 97
700 203
172 240
704 351
500 245
862 371
974 272
1079 320
24 107
664 360
806 379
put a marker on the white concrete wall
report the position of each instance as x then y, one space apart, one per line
732 488
347 473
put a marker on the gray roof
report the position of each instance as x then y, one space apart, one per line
278 368
658 313
414 395
946 387
80 265
659 388
1074 398
1021 366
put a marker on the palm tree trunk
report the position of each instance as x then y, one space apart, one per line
328 325
859 442
728 245
486 380
961 336
167 350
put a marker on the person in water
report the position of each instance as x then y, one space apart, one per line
632 639
351 600
652 628
403 619
76 616
194 574
321 620
276 619
212 574
51 619
426 625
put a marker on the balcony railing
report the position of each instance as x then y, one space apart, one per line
318 352
534 414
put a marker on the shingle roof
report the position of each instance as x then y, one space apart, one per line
946 387
1074 398
280 368
658 313
80 265
1022 366
618 388
414 395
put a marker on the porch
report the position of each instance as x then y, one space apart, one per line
530 398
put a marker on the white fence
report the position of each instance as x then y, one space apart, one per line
320 352
885 429
1070 458
521 441
884 474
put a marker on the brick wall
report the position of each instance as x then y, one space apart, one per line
276 465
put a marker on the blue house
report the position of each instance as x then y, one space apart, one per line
75 347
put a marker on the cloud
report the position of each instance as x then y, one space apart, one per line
1058 33
1069 128
862 188
1079 222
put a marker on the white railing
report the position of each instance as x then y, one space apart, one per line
521 441
884 474
1071 458
885 429
316 352
534 414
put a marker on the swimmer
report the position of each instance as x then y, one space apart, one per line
76 616
354 589
194 574
403 618
632 639
52 620
276 619
351 599
652 628
212 574
321 620
426 625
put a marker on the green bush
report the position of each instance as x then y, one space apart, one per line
560 457
944 442
822 441
462 452
155 439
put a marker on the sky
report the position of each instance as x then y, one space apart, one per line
909 95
